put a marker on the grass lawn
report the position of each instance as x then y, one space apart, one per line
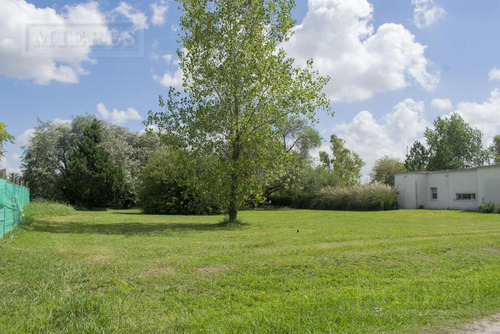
284 271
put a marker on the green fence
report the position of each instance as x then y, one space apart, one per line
13 198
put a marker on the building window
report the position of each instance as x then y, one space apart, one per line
466 197
434 193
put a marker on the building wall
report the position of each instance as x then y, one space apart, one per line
451 183
415 188
411 187
489 185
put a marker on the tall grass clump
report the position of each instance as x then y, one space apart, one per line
373 197
487 208
43 208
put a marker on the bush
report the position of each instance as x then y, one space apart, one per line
356 198
43 208
171 183
487 208
304 187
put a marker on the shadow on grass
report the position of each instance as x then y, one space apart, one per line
127 228
142 214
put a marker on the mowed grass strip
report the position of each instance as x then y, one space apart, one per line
283 271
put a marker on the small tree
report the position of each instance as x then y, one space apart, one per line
495 148
418 158
5 137
384 170
344 163
92 180
240 89
454 144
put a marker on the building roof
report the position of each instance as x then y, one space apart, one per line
450 170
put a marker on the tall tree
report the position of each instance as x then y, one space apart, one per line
45 157
92 180
418 158
240 89
454 144
344 163
384 170
5 137
496 149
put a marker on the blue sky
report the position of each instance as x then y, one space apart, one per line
394 65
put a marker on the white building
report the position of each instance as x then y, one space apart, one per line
462 189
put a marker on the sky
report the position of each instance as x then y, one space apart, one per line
395 65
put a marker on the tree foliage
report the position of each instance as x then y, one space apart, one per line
240 89
418 158
92 180
298 139
170 183
45 158
345 164
5 137
495 149
385 169
454 144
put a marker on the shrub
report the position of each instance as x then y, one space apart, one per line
43 208
304 187
487 208
171 183
372 197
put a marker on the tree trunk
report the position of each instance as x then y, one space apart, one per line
233 207
233 201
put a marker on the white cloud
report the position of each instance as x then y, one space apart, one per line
159 11
485 116
61 121
442 104
4 164
24 138
154 47
426 13
138 18
494 74
26 32
373 139
16 156
168 58
153 128
118 116
361 62
168 79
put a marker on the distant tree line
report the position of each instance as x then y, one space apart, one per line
91 163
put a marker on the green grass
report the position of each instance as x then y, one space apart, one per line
42 208
283 271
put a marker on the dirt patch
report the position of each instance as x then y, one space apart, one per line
209 270
492 249
152 272
97 259
490 325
